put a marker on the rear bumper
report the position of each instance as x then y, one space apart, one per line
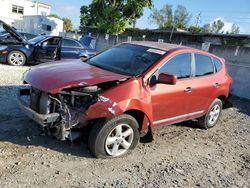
42 119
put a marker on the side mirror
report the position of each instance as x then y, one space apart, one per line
167 78
84 57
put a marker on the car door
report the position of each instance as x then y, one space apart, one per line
71 49
48 49
170 102
205 83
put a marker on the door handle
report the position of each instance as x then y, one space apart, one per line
188 89
217 85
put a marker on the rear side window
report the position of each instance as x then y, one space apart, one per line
203 65
70 43
217 64
180 65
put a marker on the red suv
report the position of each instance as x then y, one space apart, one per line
123 92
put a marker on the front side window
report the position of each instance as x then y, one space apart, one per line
180 65
203 65
54 41
127 59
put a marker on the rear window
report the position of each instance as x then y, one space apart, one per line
217 64
70 43
203 65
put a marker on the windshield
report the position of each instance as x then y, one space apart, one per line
127 59
36 39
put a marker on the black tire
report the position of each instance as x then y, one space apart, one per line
20 58
102 130
204 122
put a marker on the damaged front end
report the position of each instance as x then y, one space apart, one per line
58 113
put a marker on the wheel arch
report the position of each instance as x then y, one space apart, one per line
222 98
144 122
138 115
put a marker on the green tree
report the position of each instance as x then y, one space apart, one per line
166 19
67 24
112 16
214 27
181 17
196 29
55 16
217 27
235 29
163 17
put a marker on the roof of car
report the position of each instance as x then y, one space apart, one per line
157 45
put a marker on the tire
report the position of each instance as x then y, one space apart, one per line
16 58
211 118
105 141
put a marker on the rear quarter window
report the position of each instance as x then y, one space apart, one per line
217 65
203 65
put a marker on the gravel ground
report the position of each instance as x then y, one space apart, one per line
10 75
180 155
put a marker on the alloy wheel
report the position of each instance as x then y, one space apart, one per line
214 114
119 140
16 58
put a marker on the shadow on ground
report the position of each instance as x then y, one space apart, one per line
241 104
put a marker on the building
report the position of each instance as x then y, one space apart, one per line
30 16
39 24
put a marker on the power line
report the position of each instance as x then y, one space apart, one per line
224 11
230 17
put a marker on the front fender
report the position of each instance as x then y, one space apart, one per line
107 108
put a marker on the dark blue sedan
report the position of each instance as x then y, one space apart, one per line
72 48
16 50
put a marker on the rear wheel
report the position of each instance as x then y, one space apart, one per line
211 118
115 137
16 58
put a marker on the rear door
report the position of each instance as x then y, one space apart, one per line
204 83
71 49
48 50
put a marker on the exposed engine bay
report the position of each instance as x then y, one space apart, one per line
71 105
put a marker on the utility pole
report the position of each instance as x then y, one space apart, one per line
171 35
198 19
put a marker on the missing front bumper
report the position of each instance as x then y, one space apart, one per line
42 119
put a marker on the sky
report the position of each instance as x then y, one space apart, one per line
230 11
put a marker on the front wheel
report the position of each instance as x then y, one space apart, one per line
211 118
16 58
115 137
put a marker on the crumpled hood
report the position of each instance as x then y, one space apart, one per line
53 77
